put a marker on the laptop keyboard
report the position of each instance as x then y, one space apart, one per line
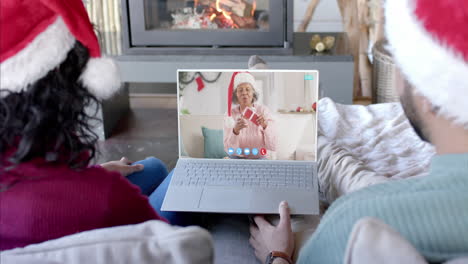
232 173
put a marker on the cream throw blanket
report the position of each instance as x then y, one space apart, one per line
360 146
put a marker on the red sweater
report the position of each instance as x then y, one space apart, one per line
56 201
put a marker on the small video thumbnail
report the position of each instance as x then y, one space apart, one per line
239 114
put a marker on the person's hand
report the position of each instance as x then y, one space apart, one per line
266 238
123 166
262 121
240 124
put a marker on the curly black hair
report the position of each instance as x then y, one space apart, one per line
50 118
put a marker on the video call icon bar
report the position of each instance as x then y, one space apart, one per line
247 151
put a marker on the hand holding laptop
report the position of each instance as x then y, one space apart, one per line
266 238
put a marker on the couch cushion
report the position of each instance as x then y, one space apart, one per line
293 130
373 241
213 141
463 260
192 134
360 146
148 242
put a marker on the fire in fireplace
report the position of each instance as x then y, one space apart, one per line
221 14
162 25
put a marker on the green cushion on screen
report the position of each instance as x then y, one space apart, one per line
214 147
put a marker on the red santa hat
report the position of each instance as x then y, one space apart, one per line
36 36
428 40
236 79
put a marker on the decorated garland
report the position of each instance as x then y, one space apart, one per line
185 79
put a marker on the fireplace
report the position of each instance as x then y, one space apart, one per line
207 26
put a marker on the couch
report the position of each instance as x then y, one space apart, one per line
294 131
371 241
149 242
345 165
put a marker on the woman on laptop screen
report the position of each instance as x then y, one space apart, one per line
249 128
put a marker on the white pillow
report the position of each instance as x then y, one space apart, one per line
149 242
290 129
372 241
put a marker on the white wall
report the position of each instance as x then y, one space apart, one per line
208 101
326 18
278 90
293 91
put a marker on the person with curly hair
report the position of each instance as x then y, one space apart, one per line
52 73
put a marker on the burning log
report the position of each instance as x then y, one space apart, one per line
223 14
244 22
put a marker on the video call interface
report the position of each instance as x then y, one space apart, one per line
255 114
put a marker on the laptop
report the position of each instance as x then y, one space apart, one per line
251 166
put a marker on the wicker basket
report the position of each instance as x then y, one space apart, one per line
383 75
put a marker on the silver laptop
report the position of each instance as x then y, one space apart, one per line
263 153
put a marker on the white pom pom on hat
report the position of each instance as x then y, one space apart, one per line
100 73
229 122
36 36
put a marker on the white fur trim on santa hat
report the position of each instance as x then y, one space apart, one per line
229 122
101 77
44 53
244 77
436 71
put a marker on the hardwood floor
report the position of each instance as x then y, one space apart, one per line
142 133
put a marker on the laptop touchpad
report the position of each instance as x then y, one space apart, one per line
225 199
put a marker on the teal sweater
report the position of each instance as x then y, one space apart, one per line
431 212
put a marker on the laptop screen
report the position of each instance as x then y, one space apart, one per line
254 114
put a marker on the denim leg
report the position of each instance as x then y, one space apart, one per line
150 177
176 218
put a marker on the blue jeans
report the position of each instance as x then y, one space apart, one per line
153 181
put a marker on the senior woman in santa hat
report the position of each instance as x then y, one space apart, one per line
248 124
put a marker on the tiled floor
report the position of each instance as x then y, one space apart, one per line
143 132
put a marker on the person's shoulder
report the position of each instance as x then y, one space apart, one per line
260 107
234 111
29 174
95 175
263 109
394 192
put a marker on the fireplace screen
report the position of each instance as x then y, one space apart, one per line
208 23
240 15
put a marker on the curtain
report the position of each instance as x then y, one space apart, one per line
363 22
106 18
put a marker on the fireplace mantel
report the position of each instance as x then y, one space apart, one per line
336 70
335 67
144 32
